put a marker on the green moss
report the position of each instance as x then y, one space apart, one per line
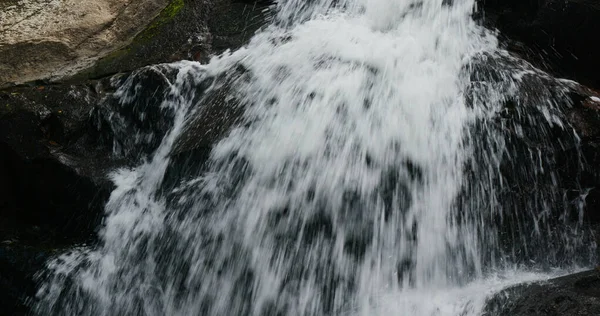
172 9
116 55
166 15
102 64
117 59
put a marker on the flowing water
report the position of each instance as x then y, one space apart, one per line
374 166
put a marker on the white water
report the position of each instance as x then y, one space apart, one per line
339 195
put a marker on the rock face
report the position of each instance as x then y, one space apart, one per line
185 30
58 40
52 181
572 295
42 39
584 116
558 35
50 152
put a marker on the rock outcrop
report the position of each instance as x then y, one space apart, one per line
45 39
185 30
559 37
573 295
53 183
67 40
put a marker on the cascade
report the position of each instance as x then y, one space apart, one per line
367 164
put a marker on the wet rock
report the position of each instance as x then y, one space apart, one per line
51 162
134 118
53 183
19 264
576 294
558 35
584 116
234 22
572 154
216 115
58 144
547 162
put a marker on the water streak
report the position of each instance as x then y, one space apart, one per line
363 176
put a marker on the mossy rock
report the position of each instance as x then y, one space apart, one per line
185 29
167 38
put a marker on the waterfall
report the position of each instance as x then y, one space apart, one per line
367 170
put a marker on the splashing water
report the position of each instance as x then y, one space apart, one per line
363 177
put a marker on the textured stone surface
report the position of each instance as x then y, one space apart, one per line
573 295
53 182
42 39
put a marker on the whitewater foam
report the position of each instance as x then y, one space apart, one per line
338 192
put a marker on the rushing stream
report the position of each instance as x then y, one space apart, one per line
374 167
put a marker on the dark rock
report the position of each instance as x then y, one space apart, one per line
132 120
53 182
18 266
233 23
576 294
584 117
218 113
58 144
558 35
51 171
548 171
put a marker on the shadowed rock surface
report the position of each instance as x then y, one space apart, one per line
558 35
58 144
53 181
573 295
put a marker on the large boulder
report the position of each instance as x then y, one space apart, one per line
66 40
52 164
58 144
42 39
548 170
